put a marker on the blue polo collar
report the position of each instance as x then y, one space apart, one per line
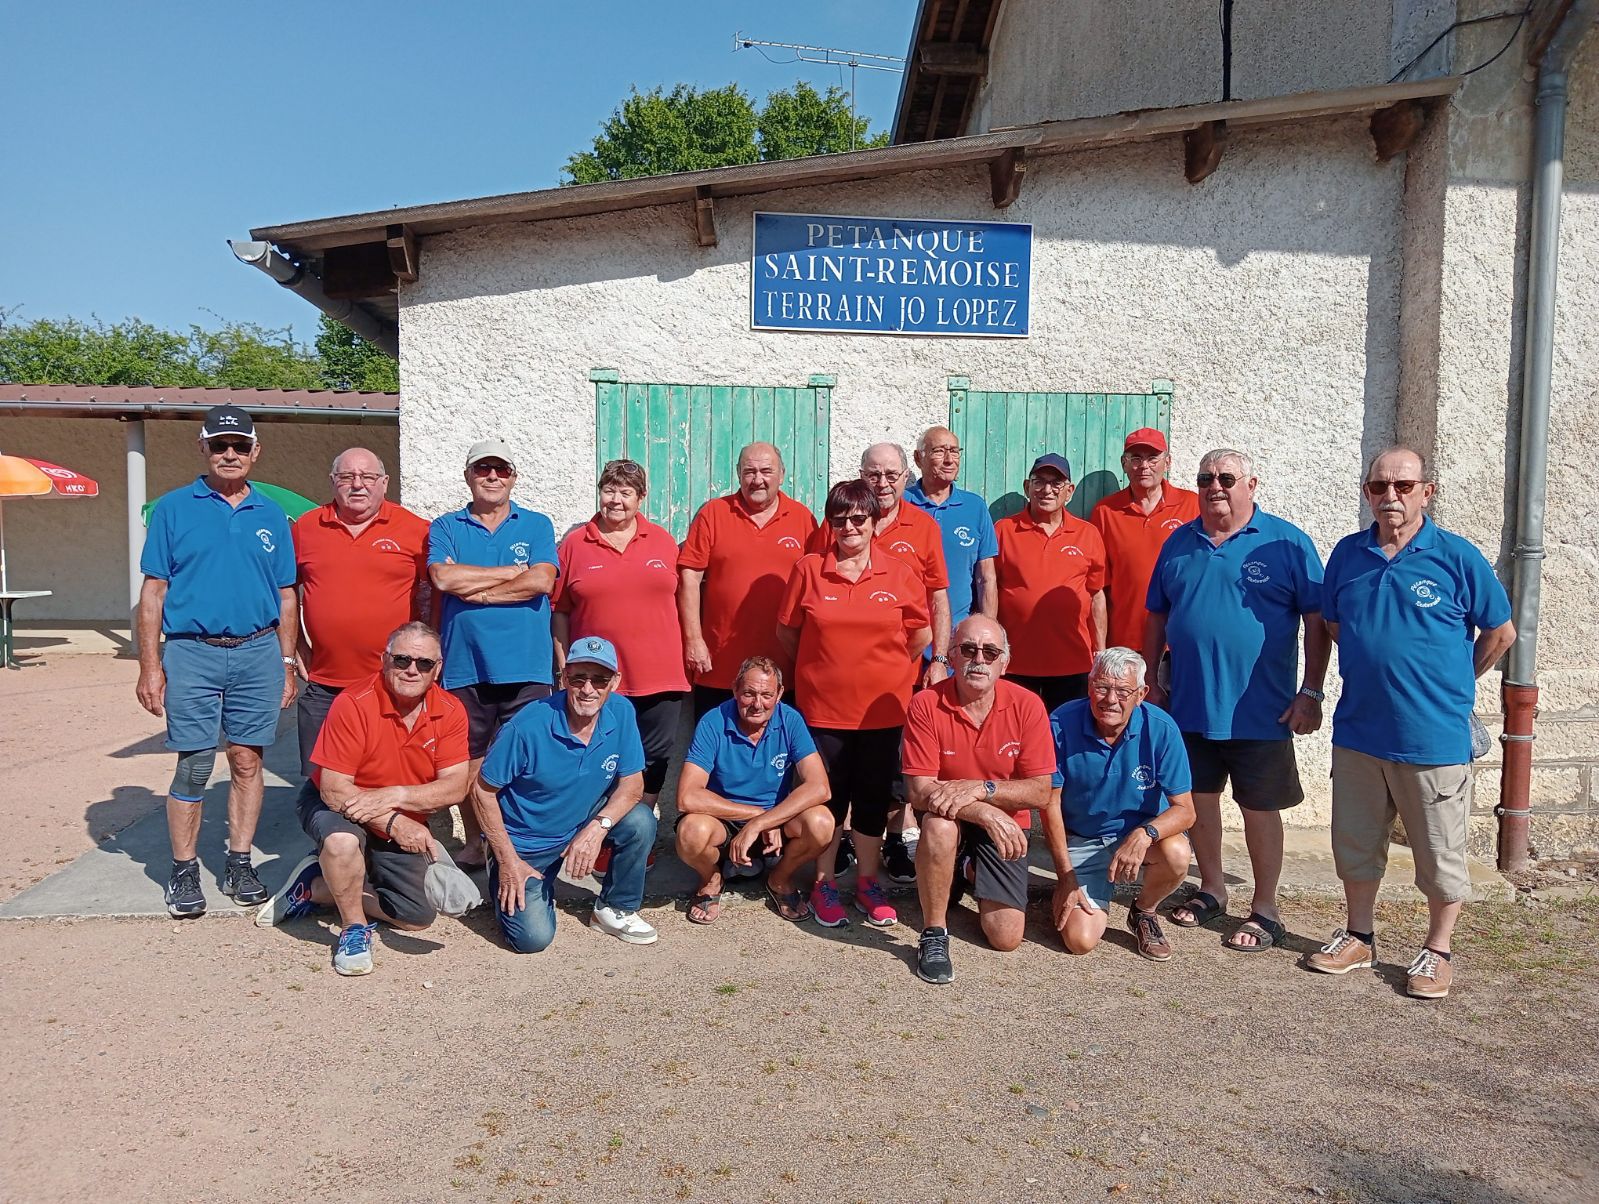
201 489
1135 725
1426 537
465 515
561 728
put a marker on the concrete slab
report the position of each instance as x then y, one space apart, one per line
125 875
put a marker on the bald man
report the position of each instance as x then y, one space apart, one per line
963 519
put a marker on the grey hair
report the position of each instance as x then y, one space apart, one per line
1395 449
335 467
1004 636
904 460
921 440
1113 662
1222 454
776 451
415 627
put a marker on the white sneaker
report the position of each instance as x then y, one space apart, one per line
626 926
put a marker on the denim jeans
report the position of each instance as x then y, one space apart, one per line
532 928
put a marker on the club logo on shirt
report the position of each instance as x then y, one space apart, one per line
883 595
1144 775
964 537
899 545
609 764
1071 549
1426 591
788 541
1255 572
780 762
1171 524
264 534
655 564
385 545
429 743
1011 749
519 553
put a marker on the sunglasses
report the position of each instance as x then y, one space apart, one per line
1226 479
221 447
979 652
1379 488
424 664
597 681
483 471
837 521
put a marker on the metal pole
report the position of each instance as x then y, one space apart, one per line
133 430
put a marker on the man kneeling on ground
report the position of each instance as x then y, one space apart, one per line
563 777
751 776
392 750
977 758
1125 802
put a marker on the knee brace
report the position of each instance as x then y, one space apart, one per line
193 773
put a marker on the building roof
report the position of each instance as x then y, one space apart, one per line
142 401
944 68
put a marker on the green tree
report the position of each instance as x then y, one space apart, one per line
350 362
653 133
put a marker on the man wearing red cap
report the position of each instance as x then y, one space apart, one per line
1134 522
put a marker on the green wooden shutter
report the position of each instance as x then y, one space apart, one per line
688 438
1004 432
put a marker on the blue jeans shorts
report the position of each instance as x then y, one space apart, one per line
237 690
1091 856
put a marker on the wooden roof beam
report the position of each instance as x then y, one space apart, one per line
1396 128
704 216
403 262
1005 176
954 58
1202 147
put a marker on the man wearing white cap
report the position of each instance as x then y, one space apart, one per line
494 562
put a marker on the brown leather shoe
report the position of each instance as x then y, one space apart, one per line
1430 976
1152 941
1342 954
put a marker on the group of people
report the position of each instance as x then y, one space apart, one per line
900 687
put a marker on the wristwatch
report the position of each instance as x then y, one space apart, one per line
605 822
941 659
1318 695
990 788
1152 832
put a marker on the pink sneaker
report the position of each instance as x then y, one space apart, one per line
825 906
869 897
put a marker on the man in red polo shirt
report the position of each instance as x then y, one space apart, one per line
978 756
362 564
1134 522
731 572
393 750
1051 571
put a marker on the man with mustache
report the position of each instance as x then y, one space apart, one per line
977 759
1418 616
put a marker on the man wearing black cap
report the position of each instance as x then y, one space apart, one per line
219 579
1050 573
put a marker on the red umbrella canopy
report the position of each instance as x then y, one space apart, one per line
66 482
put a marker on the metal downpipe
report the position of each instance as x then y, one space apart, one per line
302 283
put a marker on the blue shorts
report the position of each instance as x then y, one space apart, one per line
238 691
1091 856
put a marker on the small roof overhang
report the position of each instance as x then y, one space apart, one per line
264 405
944 68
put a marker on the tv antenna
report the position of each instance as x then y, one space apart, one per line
831 56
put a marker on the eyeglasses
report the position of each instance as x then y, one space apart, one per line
597 681
948 453
1380 488
1135 458
493 470
400 660
221 447
984 652
1226 479
837 521
888 476
1103 689
1049 484
350 478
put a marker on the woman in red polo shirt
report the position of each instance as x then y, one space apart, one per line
855 623
618 580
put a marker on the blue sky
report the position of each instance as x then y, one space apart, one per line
140 137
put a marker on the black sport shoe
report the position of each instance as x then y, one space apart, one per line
898 864
241 885
184 896
932 957
846 854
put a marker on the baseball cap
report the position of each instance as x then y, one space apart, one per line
595 651
447 886
1146 436
489 449
1051 460
227 420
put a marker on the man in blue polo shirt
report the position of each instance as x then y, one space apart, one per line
494 564
562 778
1230 593
1419 616
752 774
1124 787
219 578
964 522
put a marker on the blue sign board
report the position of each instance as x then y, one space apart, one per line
889 275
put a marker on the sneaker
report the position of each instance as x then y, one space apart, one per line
294 900
1342 954
354 954
899 862
1152 942
846 854
184 896
826 907
240 883
869 898
626 926
932 956
1430 975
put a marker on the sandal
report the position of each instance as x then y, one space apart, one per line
703 909
1202 906
1266 932
790 905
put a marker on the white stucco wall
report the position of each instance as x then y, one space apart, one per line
1269 295
79 548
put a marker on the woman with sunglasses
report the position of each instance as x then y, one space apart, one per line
618 580
855 623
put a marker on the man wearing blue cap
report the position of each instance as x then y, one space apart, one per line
562 778
219 576
1051 586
